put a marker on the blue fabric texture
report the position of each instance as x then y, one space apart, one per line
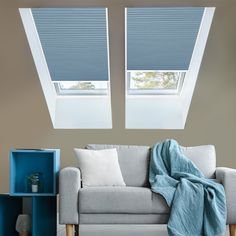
161 38
74 42
198 205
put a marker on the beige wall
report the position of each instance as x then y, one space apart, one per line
24 118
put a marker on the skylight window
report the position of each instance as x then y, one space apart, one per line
159 47
155 82
75 45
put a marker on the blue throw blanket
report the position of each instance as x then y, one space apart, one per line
198 206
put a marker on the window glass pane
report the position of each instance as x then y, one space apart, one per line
82 85
154 80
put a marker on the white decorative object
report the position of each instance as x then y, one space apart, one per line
34 188
99 167
23 224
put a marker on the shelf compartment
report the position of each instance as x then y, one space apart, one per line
25 162
10 208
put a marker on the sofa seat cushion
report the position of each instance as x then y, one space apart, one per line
112 200
123 218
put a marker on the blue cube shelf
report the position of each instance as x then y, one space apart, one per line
42 207
25 162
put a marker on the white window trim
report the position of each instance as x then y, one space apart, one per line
40 62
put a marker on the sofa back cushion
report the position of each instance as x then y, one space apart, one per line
133 160
204 157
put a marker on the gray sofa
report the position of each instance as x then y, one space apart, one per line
135 203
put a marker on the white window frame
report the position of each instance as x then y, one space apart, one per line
67 112
167 111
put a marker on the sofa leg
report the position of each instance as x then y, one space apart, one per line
76 230
69 230
232 230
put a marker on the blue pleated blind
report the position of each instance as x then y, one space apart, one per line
161 38
74 42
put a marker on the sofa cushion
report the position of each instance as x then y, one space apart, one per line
204 157
118 219
99 167
133 160
132 200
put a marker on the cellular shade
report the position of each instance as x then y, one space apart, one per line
74 42
161 38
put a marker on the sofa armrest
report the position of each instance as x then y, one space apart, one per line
69 185
227 177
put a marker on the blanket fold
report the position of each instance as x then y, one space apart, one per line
198 205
